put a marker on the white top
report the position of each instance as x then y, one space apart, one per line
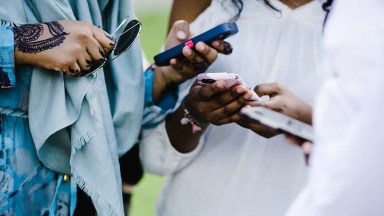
233 171
347 167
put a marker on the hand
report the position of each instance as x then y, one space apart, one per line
195 62
281 100
216 104
305 145
256 126
73 47
284 101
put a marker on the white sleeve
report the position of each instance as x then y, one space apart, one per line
347 166
159 157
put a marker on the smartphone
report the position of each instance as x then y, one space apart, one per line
280 121
219 32
231 79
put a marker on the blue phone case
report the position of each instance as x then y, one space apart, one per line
219 32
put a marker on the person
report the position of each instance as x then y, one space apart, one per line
59 133
346 163
225 169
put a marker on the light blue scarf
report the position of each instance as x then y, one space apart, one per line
81 125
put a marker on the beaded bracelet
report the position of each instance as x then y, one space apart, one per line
188 118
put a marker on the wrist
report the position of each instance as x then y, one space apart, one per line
306 114
191 117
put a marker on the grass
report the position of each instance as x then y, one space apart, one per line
153 34
152 37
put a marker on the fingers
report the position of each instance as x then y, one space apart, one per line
270 89
275 103
228 113
73 71
230 105
203 93
103 38
95 50
181 30
178 33
84 62
222 47
206 52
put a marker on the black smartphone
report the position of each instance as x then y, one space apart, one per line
219 32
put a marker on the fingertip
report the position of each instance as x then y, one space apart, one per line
181 35
187 51
173 61
215 44
240 89
200 46
220 84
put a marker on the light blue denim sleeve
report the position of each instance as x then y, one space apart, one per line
154 114
7 66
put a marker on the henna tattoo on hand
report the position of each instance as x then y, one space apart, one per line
27 37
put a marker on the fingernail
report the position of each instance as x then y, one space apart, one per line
200 47
181 35
227 48
110 38
188 51
102 53
215 43
247 95
221 84
240 90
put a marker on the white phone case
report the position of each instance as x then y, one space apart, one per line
280 121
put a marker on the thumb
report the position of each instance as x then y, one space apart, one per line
181 30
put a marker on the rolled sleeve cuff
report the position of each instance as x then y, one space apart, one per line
160 157
7 58
156 113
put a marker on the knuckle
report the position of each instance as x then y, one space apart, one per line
226 110
83 34
276 86
66 62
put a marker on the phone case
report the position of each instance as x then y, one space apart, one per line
280 121
231 79
219 32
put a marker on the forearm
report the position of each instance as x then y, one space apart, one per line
306 114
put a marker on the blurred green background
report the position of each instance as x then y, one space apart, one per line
152 36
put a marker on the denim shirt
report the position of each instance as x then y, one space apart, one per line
22 175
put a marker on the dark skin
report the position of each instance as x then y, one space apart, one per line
181 70
217 105
210 103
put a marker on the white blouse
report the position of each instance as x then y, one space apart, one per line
233 171
347 164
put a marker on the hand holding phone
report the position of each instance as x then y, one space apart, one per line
231 79
219 32
280 121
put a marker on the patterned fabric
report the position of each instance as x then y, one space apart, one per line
26 186
7 70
